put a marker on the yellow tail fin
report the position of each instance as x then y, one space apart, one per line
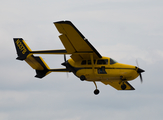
36 62
22 48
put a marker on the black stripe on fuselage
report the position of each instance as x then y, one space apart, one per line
75 69
100 67
79 68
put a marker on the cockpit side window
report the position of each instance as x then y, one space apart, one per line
90 62
102 62
83 62
112 61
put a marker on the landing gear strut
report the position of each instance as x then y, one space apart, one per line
123 86
96 91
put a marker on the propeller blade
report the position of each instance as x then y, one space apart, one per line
137 63
139 72
141 79
64 57
67 75
64 63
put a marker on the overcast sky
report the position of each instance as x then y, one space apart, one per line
125 30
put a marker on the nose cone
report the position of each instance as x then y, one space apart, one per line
140 70
64 64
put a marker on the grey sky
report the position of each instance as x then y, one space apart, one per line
122 29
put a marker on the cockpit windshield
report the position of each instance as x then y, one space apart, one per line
112 61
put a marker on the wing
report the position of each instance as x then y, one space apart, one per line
117 86
74 42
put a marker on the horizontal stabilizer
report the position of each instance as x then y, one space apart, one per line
37 63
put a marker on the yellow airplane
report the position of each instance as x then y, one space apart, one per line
85 63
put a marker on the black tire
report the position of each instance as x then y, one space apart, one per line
82 78
123 86
96 92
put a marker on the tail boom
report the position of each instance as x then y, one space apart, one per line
36 62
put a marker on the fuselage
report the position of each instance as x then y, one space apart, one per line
103 69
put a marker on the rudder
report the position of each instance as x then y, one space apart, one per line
22 48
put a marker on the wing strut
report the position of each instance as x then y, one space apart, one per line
91 55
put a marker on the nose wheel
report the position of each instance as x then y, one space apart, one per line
123 86
96 91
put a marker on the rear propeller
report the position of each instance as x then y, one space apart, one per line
65 63
64 57
139 71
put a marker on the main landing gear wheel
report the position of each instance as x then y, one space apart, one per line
123 86
96 92
82 78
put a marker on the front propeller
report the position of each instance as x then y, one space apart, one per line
139 71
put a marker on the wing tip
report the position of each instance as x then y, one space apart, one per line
63 22
71 24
